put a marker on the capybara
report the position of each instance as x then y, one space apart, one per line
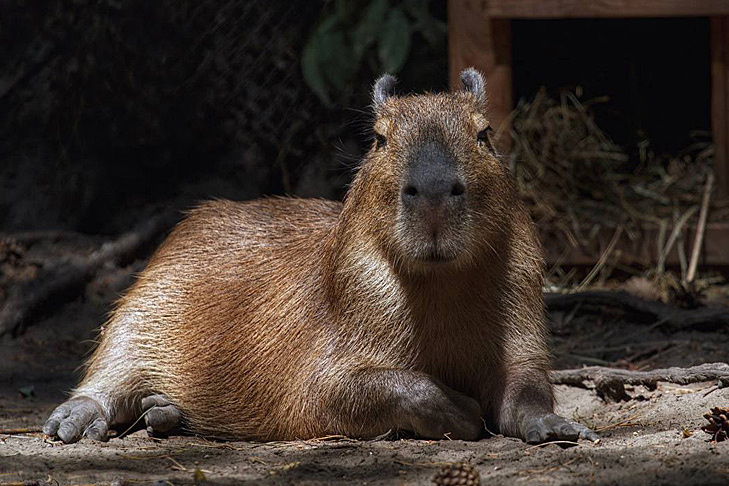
416 305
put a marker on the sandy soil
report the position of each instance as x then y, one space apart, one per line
653 439
643 444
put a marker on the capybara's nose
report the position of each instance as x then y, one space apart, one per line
432 177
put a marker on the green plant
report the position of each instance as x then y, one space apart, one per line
377 34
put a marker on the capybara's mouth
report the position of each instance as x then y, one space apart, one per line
439 250
437 257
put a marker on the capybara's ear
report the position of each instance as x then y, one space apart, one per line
473 82
383 89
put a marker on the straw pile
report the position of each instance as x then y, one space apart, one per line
573 177
580 186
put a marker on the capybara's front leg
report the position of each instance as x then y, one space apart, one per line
370 402
527 412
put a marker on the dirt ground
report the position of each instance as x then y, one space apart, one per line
653 439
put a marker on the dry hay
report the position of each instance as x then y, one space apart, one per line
573 176
577 182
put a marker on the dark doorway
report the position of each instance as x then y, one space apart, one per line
656 73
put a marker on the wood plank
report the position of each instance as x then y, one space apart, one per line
720 101
557 9
474 40
643 251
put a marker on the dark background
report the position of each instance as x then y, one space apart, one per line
113 110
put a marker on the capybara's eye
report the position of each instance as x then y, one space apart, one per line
483 138
380 140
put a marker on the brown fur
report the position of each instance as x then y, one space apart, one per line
288 318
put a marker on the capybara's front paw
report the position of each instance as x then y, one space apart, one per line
464 420
440 413
160 415
548 426
76 418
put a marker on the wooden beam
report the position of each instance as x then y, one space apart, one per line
475 40
561 9
720 101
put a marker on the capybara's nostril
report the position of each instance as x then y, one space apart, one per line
410 190
458 189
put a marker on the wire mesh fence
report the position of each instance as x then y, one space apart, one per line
101 92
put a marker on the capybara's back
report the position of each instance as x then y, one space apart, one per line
416 305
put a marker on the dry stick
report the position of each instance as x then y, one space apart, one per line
545 444
422 464
610 382
628 422
558 263
123 434
66 280
661 243
700 228
179 466
681 249
27 430
674 234
603 258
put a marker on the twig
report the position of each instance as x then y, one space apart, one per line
681 249
330 438
623 423
700 228
123 434
610 382
674 235
544 444
422 464
603 258
661 243
66 280
27 430
177 465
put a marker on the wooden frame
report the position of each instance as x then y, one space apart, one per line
564 9
475 39
720 100
480 36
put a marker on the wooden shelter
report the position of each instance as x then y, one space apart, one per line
480 36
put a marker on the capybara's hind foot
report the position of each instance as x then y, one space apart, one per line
76 418
160 415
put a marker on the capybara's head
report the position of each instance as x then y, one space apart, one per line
433 181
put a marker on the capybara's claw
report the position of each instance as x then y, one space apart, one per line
76 418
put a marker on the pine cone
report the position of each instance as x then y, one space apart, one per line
456 474
718 423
